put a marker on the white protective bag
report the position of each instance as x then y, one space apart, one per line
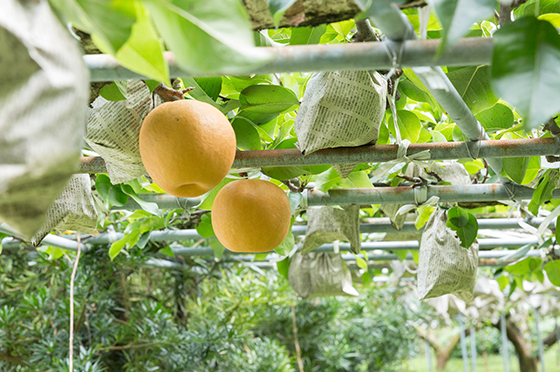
327 224
73 210
113 130
320 274
44 91
444 266
341 109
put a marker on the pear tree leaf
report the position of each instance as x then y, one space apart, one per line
474 86
552 269
457 17
207 36
108 21
262 103
284 267
542 194
246 134
287 245
467 234
515 168
218 248
111 92
496 118
525 67
204 228
307 35
409 125
458 216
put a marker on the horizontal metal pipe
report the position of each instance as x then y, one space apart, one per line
484 244
380 195
377 154
406 195
331 57
375 225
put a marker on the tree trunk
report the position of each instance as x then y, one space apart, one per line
527 363
442 353
308 12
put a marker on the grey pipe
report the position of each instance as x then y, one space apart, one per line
334 57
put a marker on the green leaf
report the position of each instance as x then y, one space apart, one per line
327 179
496 118
295 200
117 196
284 267
515 168
118 246
457 17
246 134
467 234
287 245
361 263
211 86
307 35
557 230
204 228
143 51
218 248
424 213
545 6
542 194
207 36
111 92
413 92
288 173
262 103
525 67
167 251
108 21
277 9
458 216
147 206
516 254
409 125
474 86
552 269
401 254
103 185
211 195
520 267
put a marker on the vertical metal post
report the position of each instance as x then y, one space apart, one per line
473 348
504 342
428 355
464 353
557 329
539 340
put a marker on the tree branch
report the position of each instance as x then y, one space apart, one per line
552 337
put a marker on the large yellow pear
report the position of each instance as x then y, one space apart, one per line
187 147
251 216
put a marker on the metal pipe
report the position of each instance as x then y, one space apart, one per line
383 246
376 225
381 195
428 353
376 154
406 195
52 240
539 340
505 351
464 354
333 57
473 348
398 28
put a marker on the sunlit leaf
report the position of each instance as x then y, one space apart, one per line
525 67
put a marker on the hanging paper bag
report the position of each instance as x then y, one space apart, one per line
327 224
445 267
320 274
44 90
73 210
341 109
